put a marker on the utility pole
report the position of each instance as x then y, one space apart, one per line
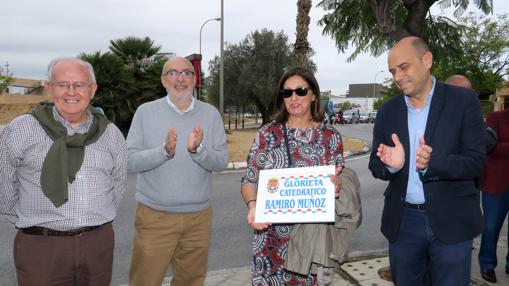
7 65
221 64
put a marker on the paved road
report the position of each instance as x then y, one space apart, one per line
230 234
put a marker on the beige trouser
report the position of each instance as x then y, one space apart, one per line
180 240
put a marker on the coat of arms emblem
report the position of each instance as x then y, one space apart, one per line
272 185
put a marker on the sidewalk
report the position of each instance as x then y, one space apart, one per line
360 271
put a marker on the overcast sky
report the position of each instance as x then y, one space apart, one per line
33 32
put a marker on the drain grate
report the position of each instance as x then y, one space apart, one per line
365 272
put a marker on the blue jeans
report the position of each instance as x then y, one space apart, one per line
495 209
418 258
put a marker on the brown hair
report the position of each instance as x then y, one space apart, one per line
280 112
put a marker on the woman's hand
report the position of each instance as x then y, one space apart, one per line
251 218
336 180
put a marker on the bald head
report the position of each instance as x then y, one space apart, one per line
179 83
415 44
410 62
459 80
88 67
177 61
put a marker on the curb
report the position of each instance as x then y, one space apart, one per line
236 165
364 150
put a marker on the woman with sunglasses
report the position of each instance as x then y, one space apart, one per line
309 142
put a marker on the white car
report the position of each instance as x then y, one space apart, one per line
351 117
364 117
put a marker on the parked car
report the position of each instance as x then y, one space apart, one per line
364 117
368 117
347 115
372 116
351 117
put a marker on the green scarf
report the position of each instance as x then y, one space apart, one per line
65 156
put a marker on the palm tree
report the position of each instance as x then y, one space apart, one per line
302 49
116 89
127 76
133 50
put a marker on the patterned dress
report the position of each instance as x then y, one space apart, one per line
318 146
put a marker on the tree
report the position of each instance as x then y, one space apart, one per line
484 57
133 50
373 25
140 55
127 77
345 106
115 87
252 70
5 81
485 53
302 48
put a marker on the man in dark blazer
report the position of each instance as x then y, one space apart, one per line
429 143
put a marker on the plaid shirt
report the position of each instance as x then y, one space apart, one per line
94 195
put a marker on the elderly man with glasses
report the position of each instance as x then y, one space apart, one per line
174 144
62 174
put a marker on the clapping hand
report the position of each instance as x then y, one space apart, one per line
171 142
195 138
393 157
422 155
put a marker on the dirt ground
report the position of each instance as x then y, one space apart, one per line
239 141
14 105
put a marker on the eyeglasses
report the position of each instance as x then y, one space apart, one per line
300 91
78 86
186 74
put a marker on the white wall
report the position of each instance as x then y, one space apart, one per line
365 103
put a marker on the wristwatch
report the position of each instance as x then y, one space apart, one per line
198 149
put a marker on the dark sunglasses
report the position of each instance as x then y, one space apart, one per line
301 91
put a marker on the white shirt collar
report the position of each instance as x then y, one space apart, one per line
191 106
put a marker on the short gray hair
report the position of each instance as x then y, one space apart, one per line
85 64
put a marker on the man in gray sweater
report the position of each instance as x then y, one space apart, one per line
174 144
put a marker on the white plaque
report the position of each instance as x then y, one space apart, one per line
296 195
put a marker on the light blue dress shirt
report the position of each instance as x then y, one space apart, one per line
417 118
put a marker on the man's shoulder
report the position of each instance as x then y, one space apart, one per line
113 130
392 103
150 105
205 105
498 114
23 122
22 129
206 108
456 93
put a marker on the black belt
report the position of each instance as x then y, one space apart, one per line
419 207
37 230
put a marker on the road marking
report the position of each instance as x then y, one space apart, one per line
244 169
357 158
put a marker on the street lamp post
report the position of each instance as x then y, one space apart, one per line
201 29
374 86
221 64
